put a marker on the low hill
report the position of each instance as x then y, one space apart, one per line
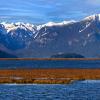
67 55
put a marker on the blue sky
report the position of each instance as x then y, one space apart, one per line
41 11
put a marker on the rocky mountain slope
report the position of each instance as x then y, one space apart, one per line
28 40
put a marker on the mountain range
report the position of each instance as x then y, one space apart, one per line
28 40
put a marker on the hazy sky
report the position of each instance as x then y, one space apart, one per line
41 11
94 2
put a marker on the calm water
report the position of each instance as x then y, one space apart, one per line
42 11
4 64
84 90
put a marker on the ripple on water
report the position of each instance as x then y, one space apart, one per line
83 90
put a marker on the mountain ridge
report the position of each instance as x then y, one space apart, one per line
28 40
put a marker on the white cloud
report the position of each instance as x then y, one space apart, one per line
94 2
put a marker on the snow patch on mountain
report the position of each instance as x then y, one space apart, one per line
58 24
93 17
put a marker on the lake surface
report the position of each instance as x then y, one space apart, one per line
83 90
13 64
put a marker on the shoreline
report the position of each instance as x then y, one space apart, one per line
50 59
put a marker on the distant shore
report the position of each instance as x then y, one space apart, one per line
57 59
47 76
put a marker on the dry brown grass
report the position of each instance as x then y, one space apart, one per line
50 76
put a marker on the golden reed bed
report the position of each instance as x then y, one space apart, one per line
48 76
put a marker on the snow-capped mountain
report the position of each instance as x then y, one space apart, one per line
28 40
